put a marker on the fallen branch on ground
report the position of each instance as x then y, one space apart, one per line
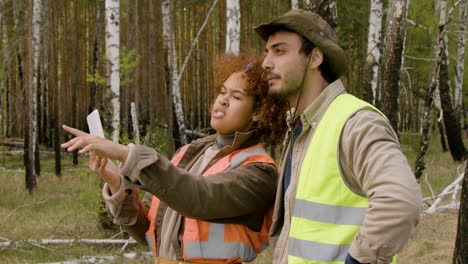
100 259
68 241
453 189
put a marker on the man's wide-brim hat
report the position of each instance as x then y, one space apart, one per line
312 27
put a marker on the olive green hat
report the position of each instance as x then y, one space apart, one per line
312 27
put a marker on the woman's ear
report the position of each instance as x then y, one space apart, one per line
256 117
316 58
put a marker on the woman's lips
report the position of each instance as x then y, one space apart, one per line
218 113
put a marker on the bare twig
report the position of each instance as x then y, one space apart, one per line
194 42
416 58
428 184
412 22
450 189
21 206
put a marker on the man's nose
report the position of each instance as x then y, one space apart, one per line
267 64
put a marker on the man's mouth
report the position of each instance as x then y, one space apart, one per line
272 77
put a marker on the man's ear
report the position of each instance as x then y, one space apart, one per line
316 58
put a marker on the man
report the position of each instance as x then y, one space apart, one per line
346 192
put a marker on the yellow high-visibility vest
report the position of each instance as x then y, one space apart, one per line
327 214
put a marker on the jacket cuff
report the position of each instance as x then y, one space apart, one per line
139 157
362 252
112 200
123 207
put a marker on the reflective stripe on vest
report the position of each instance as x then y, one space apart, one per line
150 235
219 243
327 214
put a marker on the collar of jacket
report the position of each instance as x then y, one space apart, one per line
233 140
198 147
314 112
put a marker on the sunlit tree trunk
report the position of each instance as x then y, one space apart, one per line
392 59
33 62
100 7
372 67
169 43
233 26
460 67
4 73
294 4
112 55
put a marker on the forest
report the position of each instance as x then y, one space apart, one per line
147 66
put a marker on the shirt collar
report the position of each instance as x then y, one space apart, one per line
234 140
316 110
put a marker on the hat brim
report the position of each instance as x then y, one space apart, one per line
332 51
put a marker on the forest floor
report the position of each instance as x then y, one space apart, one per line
67 207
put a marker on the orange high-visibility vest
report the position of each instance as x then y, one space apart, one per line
218 243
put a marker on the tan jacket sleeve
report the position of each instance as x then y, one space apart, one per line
128 211
374 165
240 195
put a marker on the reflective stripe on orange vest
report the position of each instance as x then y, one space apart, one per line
219 243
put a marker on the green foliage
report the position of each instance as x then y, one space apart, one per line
95 77
129 59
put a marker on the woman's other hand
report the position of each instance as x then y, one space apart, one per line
106 171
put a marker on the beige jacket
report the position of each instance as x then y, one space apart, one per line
374 166
240 196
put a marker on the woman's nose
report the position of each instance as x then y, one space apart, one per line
224 100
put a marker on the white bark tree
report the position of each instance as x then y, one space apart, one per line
32 100
373 58
460 61
392 61
113 61
294 4
169 44
233 26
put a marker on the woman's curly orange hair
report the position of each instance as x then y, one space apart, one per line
271 126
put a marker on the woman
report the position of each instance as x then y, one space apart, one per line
210 203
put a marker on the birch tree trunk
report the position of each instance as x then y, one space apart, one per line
392 59
327 9
169 43
372 67
112 55
452 125
430 97
294 4
33 62
233 26
460 67
460 254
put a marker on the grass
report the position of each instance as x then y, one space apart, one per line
67 208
